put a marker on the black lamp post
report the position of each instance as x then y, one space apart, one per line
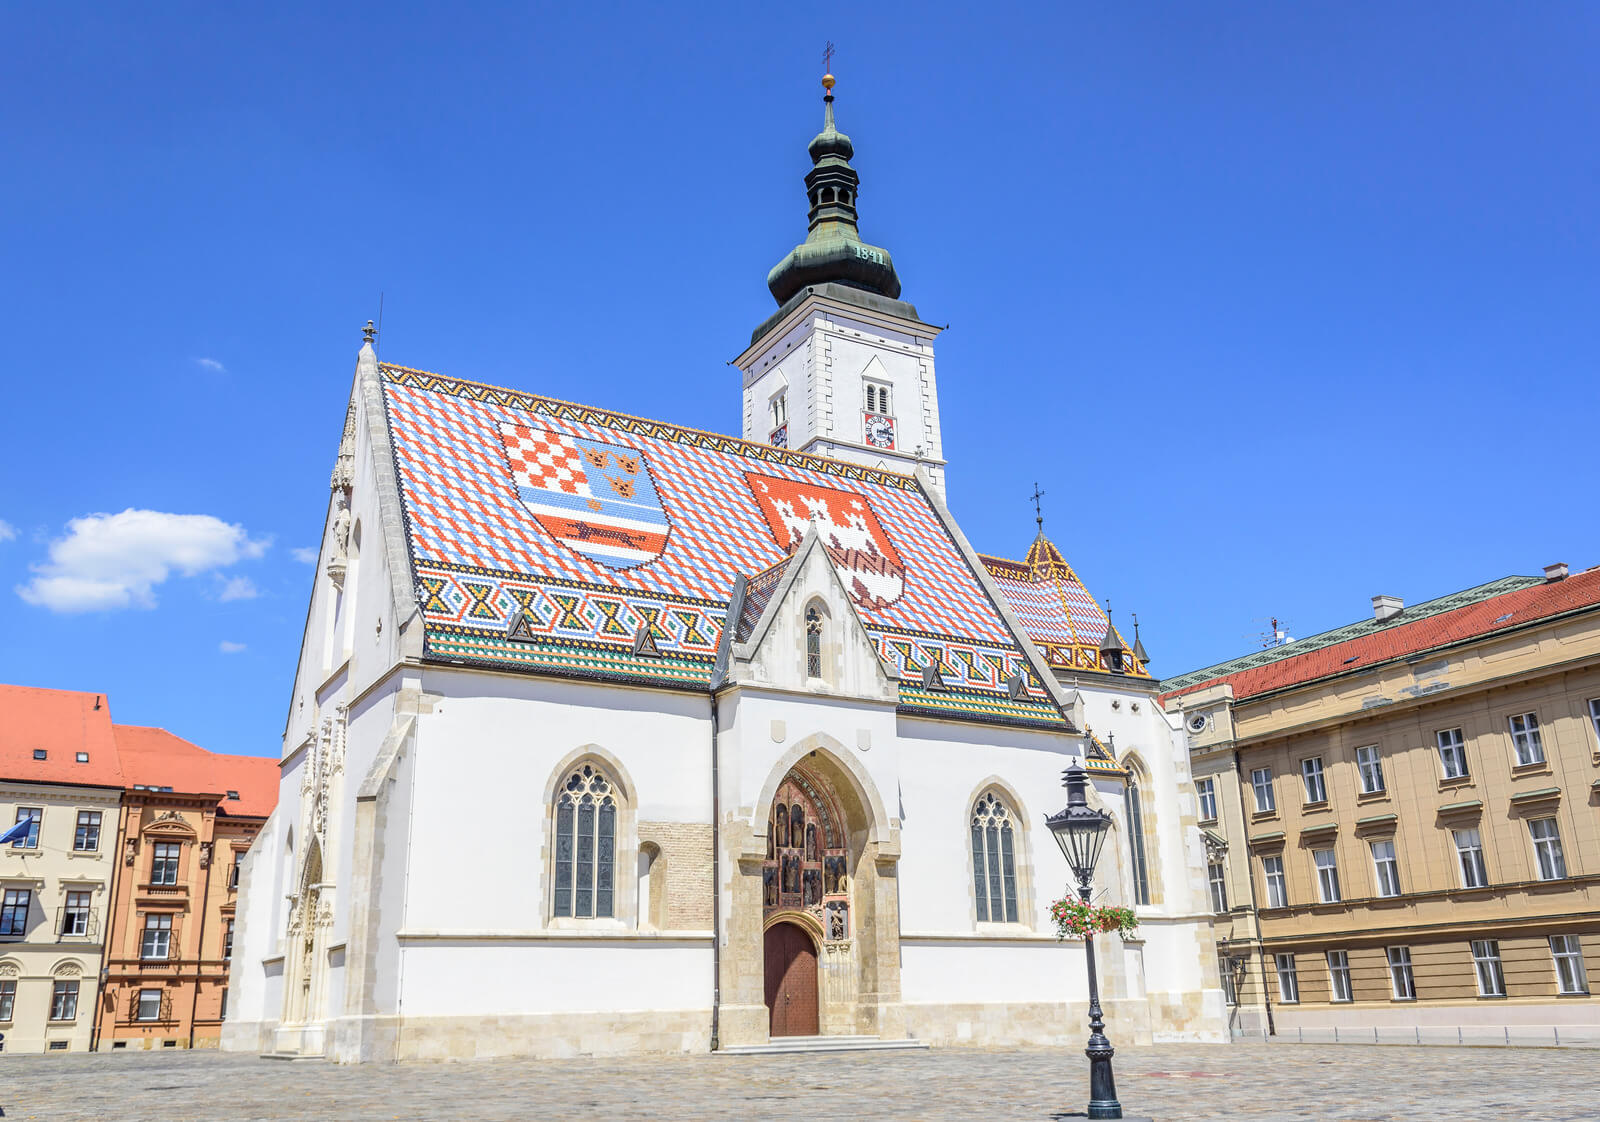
1081 833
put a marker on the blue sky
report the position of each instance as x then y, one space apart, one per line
1283 305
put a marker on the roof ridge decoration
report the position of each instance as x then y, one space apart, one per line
642 426
1345 632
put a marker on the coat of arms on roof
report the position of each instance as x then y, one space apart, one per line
855 541
596 499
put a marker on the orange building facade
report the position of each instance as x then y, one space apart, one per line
187 818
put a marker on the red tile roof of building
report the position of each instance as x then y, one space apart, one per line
1503 612
61 723
153 757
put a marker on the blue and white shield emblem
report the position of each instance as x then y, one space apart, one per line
596 499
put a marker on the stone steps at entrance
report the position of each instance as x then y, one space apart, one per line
293 1056
782 1045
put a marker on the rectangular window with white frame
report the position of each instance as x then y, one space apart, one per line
86 837
1401 979
1469 853
1261 784
75 914
1567 951
1525 739
149 1006
1371 768
1316 785
164 863
1594 719
1486 961
1547 848
1277 890
8 999
1386 868
64 1001
1327 875
156 944
1339 975
1288 979
1452 753
1207 790
1218 875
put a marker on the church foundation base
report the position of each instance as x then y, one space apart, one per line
1055 1024
531 1036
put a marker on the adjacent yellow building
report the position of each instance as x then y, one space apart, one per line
1402 818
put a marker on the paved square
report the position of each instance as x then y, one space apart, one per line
1346 1083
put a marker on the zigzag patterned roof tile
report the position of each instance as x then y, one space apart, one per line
593 524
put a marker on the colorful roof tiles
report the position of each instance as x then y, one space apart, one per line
592 524
1501 605
1051 603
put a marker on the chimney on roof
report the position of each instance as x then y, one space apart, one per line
1555 572
1386 607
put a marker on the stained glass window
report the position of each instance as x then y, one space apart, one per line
813 643
994 865
586 846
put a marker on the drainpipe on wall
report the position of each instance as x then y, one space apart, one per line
1250 879
200 943
716 886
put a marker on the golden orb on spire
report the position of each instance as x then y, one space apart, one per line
827 81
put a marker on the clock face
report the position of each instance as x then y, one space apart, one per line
880 430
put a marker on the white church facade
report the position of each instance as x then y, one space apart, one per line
609 735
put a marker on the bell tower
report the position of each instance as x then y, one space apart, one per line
844 367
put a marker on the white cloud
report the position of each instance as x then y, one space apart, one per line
230 648
304 554
7 531
212 365
238 588
108 561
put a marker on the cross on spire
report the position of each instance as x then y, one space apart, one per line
827 58
1038 511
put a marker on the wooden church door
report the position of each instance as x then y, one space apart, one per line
791 975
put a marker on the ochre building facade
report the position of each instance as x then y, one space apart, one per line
1403 818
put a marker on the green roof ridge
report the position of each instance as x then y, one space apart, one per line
1348 631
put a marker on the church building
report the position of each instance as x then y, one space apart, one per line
611 735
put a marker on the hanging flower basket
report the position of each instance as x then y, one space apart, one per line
1078 920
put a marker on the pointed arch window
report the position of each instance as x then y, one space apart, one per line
1140 865
994 860
813 642
586 845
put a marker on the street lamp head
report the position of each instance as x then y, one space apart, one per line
1079 830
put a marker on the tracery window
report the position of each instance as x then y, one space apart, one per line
994 864
807 856
813 643
1141 866
586 845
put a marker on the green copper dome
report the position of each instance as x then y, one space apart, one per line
833 250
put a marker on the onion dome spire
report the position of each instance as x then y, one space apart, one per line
833 249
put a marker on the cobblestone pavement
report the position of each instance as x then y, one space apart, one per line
1348 1083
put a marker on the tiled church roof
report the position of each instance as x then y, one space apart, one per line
593 525
1059 614
1501 605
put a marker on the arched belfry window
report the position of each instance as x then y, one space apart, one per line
994 860
813 642
586 845
1140 866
